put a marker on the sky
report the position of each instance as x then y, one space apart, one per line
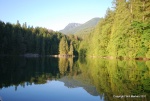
52 14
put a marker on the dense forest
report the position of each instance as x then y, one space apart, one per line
124 32
19 40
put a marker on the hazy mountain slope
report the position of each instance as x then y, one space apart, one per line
86 27
89 24
69 27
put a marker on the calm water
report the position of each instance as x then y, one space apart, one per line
53 79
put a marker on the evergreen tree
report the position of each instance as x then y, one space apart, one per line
18 40
71 49
63 46
123 32
43 46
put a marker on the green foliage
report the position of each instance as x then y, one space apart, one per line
83 48
71 49
123 32
81 28
18 40
141 27
82 52
63 46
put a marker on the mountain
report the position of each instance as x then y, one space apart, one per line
86 27
69 27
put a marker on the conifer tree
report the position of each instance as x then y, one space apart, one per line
71 49
63 46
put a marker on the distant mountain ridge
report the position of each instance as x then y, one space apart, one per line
72 25
74 28
69 27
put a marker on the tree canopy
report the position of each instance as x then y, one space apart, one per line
123 32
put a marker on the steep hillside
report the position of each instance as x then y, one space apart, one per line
122 33
69 27
83 28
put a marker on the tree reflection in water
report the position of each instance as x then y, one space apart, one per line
106 78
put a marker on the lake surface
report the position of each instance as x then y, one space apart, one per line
91 79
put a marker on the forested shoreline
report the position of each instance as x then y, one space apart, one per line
123 33
22 40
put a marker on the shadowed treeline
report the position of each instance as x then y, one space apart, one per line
17 39
15 71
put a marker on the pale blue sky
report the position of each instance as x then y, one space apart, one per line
52 14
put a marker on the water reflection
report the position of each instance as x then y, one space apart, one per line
111 80
114 77
15 71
